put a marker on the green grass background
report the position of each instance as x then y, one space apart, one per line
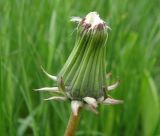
38 32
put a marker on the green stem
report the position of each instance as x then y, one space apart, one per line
72 125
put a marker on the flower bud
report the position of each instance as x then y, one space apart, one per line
83 78
84 71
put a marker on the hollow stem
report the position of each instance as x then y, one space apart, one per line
72 125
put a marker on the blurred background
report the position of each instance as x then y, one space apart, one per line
38 32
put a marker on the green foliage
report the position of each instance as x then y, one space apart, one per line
38 32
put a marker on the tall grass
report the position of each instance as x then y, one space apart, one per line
35 33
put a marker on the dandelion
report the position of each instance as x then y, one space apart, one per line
83 79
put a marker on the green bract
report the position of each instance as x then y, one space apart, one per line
84 71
